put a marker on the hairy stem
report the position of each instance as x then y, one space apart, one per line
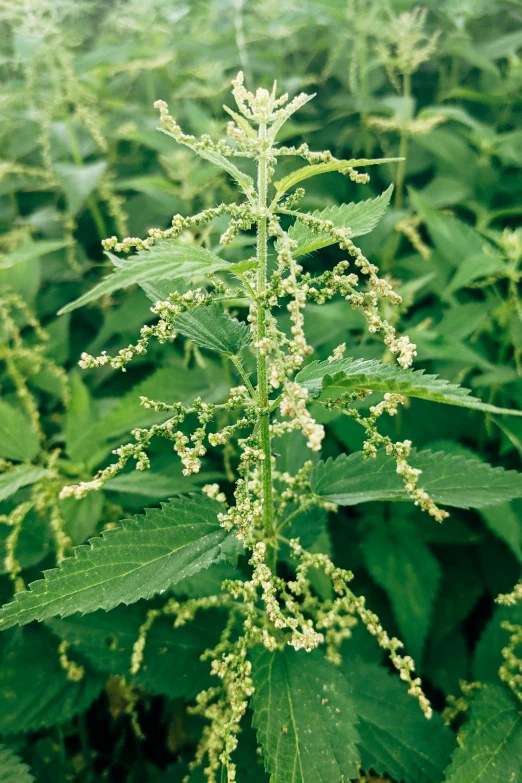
262 376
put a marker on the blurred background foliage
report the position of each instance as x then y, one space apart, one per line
81 160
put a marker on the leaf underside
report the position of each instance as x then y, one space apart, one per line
450 479
304 717
145 556
347 374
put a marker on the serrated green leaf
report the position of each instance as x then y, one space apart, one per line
166 260
304 716
450 479
21 476
34 689
506 525
78 182
29 251
213 329
18 441
12 768
396 739
490 743
171 659
145 556
401 563
341 166
361 217
345 374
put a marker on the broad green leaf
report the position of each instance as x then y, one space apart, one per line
166 260
361 217
78 182
396 739
212 328
147 555
450 479
505 523
213 156
29 251
34 689
304 716
401 563
490 743
171 659
12 768
341 166
19 477
345 374
79 421
18 441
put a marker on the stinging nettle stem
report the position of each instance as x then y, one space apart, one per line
262 375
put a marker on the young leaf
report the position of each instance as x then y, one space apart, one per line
12 768
18 441
450 479
342 166
212 328
106 640
21 476
34 689
361 217
147 555
396 739
490 743
78 182
166 260
304 717
346 374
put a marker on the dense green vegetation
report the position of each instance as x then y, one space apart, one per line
101 664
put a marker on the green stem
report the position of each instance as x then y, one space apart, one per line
262 374
403 147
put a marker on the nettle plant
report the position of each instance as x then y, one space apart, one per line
288 610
